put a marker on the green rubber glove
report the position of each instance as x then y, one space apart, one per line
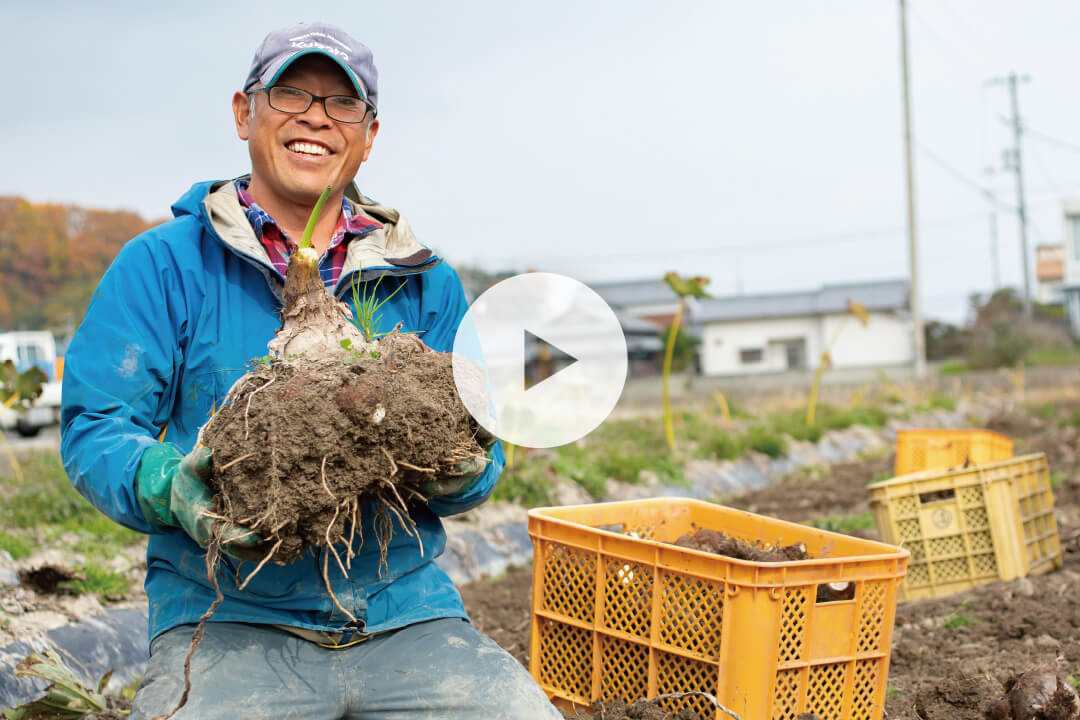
171 490
467 472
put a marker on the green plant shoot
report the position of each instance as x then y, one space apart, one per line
683 288
368 306
305 240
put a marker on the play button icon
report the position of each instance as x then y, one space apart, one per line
544 349
540 360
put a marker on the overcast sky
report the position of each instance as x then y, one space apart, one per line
759 143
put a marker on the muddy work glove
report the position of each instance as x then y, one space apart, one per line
467 472
171 490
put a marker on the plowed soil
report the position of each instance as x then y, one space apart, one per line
951 656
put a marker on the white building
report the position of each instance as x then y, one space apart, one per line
1050 274
1071 279
751 334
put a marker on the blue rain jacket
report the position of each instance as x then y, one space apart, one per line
176 319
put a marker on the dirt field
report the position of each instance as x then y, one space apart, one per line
950 655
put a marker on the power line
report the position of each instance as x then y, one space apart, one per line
944 45
956 174
1043 137
975 42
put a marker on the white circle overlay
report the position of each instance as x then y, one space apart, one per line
542 315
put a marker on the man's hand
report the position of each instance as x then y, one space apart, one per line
467 472
171 490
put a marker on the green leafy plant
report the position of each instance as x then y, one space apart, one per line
683 288
66 698
845 523
763 441
367 307
15 545
959 620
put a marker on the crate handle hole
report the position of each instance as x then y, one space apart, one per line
937 496
834 592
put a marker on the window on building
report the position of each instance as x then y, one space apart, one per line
749 356
28 356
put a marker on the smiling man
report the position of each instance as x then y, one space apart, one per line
172 325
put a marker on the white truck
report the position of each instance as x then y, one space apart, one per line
28 349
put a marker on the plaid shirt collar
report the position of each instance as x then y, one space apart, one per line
279 246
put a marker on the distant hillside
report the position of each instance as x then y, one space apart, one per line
52 257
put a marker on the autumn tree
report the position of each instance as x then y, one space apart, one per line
52 257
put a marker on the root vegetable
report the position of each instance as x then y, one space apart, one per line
1036 694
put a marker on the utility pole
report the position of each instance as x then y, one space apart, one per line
1016 165
916 309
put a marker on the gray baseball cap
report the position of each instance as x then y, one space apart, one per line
281 47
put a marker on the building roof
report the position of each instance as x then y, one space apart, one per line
635 326
830 299
621 293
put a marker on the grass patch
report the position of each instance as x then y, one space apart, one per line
880 477
16 546
1053 356
959 620
99 580
762 440
527 482
1057 478
46 500
938 401
845 523
620 450
1046 411
953 368
722 445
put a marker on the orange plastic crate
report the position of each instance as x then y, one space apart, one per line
928 449
970 526
619 613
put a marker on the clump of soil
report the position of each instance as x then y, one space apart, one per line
717 543
338 422
46 579
1036 694
302 443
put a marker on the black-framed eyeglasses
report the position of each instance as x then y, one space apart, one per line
343 108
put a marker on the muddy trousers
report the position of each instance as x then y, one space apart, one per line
437 669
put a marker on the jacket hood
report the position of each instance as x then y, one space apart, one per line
392 249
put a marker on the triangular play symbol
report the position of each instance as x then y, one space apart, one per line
558 358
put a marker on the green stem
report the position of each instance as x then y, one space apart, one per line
305 241
669 353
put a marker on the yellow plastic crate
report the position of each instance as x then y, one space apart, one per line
619 613
918 450
970 526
